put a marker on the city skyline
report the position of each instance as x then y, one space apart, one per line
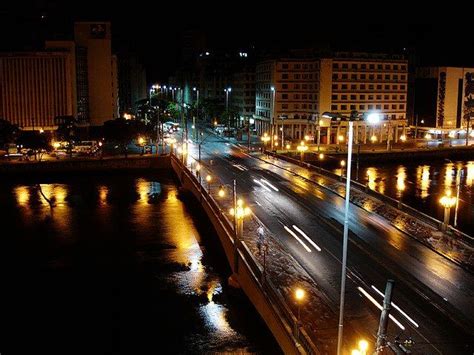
157 37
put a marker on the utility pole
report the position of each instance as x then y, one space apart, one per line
384 316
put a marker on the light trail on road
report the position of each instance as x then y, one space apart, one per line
298 239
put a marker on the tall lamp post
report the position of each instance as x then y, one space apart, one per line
265 140
227 92
371 118
239 211
299 297
196 118
272 113
447 201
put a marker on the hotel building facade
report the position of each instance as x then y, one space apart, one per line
69 78
294 92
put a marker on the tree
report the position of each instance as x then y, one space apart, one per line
8 132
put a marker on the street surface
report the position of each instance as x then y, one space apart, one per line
434 296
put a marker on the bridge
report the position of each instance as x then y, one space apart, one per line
301 213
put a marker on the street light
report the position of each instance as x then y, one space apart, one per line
447 201
239 211
196 118
371 118
302 147
272 113
208 180
363 347
265 140
299 297
227 91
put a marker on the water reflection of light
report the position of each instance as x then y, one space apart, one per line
22 195
214 315
143 188
103 192
371 177
401 177
423 180
470 173
60 193
448 176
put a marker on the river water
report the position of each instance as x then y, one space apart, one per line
120 264
422 184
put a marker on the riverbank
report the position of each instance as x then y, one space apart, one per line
452 153
86 165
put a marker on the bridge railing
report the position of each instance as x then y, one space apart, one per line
260 278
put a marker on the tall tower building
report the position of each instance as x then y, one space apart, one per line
94 47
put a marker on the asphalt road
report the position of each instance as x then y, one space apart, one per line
435 296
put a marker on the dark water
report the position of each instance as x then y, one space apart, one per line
112 269
422 184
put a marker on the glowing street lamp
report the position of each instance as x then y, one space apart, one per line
302 147
239 212
363 346
373 139
288 146
208 180
300 295
447 201
265 139
403 138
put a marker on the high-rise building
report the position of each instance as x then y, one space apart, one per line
444 96
35 87
294 91
132 82
69 78
95 41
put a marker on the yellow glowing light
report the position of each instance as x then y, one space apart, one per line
355 352
321 156
403 138
373 139
306 138
452 134
56 145
198 167
299 294
288 146
447 200
275 137
141 140
428 136
343 163
340 138
208 178
221 192
363 345
276 144
215 123
401 177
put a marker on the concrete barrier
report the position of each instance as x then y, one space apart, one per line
263 295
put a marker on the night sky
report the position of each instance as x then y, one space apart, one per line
153 29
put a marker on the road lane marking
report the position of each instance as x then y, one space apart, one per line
262 185
298 239
238 167
396 307
267 183
379 306
307 238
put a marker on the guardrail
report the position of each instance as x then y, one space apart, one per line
302 340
